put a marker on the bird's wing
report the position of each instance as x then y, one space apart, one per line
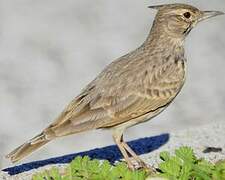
144 92
118 95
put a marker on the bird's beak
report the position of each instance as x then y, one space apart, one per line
209 14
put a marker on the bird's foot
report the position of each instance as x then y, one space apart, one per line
147 167
135 164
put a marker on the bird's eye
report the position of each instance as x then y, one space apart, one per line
187 15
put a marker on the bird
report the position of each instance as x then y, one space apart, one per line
132 89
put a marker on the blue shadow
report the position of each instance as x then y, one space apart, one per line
110 153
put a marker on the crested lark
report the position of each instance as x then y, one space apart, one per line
132 89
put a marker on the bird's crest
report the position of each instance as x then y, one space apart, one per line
157 6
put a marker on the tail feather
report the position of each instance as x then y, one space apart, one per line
27 148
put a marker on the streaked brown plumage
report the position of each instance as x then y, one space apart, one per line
132 89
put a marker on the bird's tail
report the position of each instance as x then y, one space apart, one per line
28 147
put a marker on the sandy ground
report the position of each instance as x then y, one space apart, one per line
211 135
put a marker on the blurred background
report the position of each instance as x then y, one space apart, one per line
51 49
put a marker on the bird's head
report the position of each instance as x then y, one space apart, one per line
179 19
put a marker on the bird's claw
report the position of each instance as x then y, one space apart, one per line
137 165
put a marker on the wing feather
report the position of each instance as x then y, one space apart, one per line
120 94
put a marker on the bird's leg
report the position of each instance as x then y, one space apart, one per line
126 151
133 154
141 163
118 140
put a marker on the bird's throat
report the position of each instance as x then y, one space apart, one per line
188 30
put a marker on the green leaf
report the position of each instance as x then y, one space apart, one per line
186 154
200 173
171 168
105 169
165 156
120 170
186 171
219 172
54 173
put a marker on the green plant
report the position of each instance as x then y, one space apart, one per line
86 169
183 165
